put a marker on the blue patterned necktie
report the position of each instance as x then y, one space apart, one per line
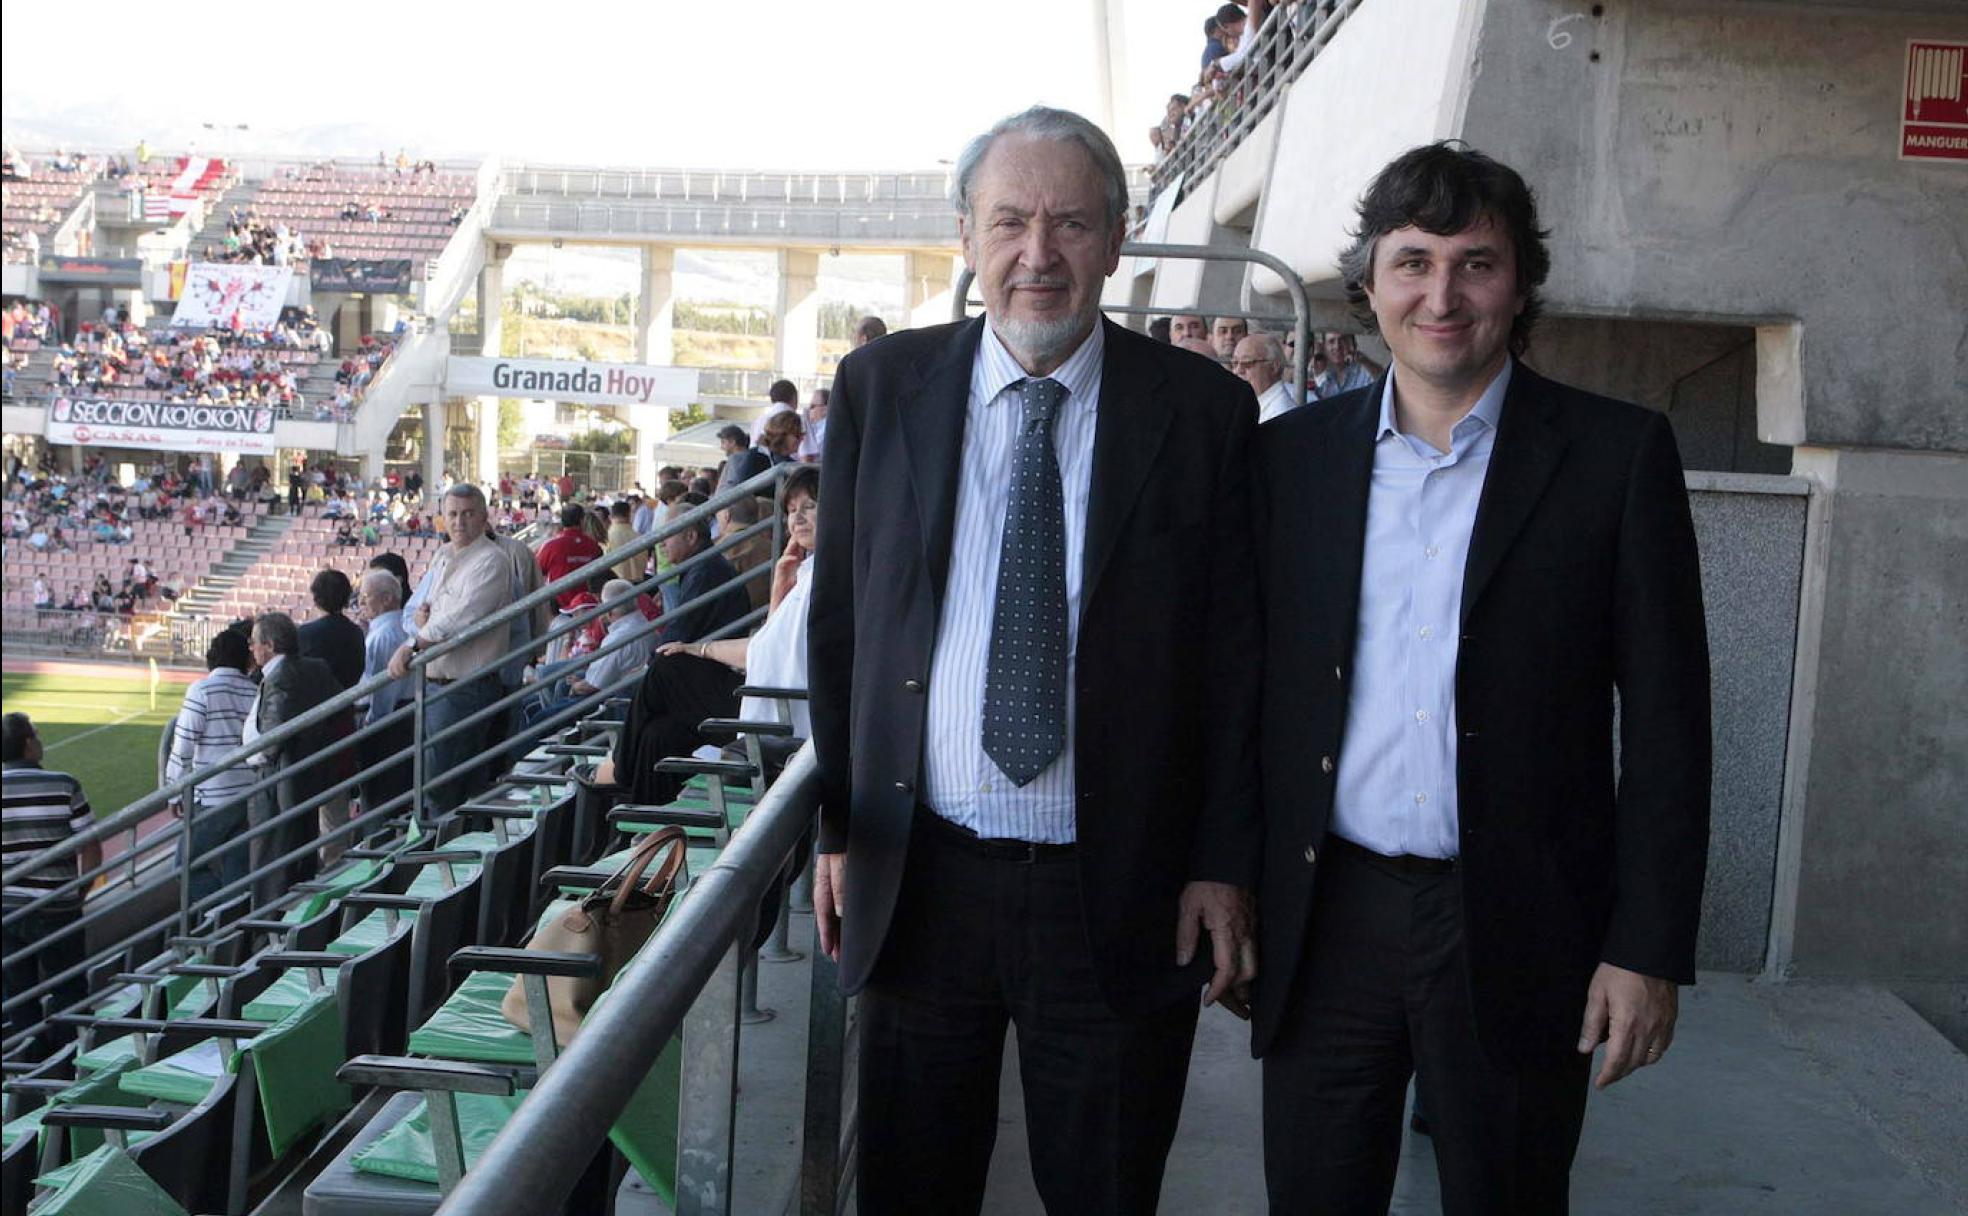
1025 686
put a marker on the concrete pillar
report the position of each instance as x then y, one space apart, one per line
926 280
652 427
797 314
656 312
486 468
491 300
434 421
372 465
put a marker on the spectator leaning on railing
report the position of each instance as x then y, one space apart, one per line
41 808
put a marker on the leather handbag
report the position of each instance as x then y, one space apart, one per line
613 921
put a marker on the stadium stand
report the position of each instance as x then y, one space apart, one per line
34 204
342 212
354 1038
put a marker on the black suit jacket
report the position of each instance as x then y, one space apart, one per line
1164 756
336 641
1582 578
297 685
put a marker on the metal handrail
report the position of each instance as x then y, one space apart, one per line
536 1158
1301 308
413 754
156 801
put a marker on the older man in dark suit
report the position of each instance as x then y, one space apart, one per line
290 685
1037 754
1462 565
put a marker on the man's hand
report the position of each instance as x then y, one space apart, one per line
1633 1015
400 661
829 900
1225 912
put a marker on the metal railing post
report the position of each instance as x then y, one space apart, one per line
706 1122
821 1149
417 760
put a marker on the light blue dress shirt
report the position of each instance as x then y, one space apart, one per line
960 782
1396 791
386 634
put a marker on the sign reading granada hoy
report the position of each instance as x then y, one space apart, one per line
572 381
164 426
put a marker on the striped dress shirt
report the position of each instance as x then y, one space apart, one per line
960 782
212 722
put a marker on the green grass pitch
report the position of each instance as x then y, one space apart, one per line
102 729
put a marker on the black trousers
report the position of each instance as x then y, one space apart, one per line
677 692
1382 994
981 940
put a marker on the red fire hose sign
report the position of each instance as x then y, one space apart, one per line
1934 104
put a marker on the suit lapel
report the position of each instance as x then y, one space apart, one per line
1133 421
1349 473
1526 454
932 418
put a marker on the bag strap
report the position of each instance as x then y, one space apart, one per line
615 890
661 883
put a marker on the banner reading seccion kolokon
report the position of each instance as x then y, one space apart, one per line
164 426
221 295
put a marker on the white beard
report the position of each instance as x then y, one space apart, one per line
1041 343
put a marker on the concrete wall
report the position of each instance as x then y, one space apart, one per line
1732 160
1882 888
1751 532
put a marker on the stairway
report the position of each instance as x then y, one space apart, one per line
240 195
260 540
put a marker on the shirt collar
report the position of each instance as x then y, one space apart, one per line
271 664
997 368
1488 408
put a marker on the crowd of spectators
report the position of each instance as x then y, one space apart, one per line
1266 361
253 241
1232 38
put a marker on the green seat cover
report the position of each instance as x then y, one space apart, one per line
106 1182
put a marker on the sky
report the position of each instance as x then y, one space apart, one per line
802 85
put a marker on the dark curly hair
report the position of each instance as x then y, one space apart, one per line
1443 188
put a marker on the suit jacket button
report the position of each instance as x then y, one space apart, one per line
903 787
1325 764
1338 674
1311 855
912 685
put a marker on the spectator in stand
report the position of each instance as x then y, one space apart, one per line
627 625
209 724
338 642
43 598
1225 333
1260 361
753 551
621 534
816 426
702 579
782 437
569 550
564 486
687 683
290 686
470 579
1213 48
1346 370
1188 325
736 445
381 602
1160 329
40 808
866 330
782 398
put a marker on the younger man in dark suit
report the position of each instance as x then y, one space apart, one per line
1462 564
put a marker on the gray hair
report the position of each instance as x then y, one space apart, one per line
278 630
466 489
381 590
1274 350
1043 122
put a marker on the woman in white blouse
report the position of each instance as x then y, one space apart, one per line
688 682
